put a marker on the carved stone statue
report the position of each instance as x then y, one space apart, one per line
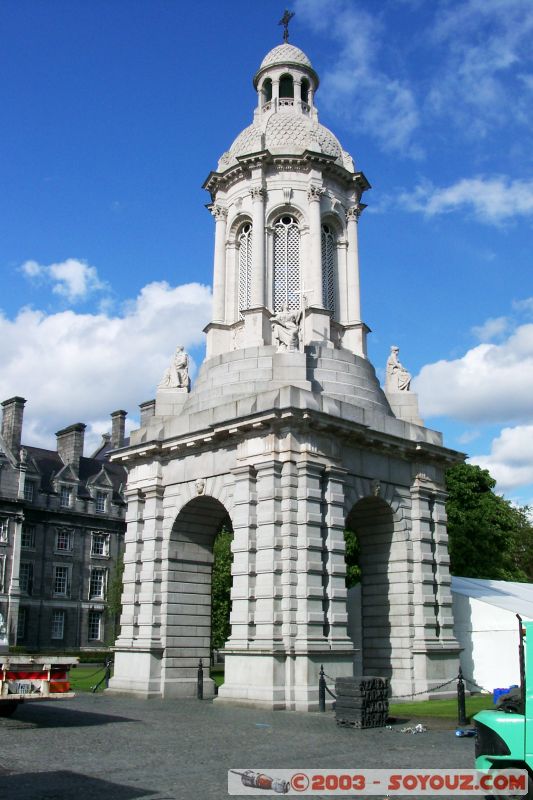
286 329
397 378
177 375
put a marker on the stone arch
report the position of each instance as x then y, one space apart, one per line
240 219
285 209
186 587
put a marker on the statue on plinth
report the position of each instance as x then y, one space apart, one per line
397 379
286 329
177 375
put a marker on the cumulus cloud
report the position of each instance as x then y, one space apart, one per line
490 383
79 367
492 328
73 278
511 458
356 85
492 200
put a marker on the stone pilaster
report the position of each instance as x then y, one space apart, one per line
314 193
289 552
243 571
258 247
354 291
219 267
336 562
14 580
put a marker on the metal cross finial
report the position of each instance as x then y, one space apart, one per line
286 18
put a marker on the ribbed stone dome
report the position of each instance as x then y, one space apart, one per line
285 54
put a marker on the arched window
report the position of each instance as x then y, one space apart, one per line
245 266
286 86
267 90
305 90
328 268
286 263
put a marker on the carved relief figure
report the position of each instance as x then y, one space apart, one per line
286 329
177 375
397 378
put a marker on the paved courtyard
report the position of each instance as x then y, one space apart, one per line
97 746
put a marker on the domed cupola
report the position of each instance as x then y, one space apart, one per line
286 80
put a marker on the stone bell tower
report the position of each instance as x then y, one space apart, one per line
286 438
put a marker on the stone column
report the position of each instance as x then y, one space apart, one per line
289 552
258 247
268 617
310 616
314 193
354 292
219 268
342 256
14 581
336 563
244 548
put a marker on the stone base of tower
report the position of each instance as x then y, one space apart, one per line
137 672
280 681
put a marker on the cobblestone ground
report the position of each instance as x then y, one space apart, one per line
116 748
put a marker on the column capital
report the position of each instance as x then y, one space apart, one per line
219 211
314 192
355 211
258 193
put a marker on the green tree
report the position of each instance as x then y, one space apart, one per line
351 555
488 536
221 588
114 600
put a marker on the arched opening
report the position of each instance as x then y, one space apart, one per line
244 239
369 534
266 90
189 588
286 86
305 90
329 247
286 290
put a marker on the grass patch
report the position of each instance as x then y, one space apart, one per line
444 709
83 678
217 674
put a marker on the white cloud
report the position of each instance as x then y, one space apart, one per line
511 458
490 383
79 367
73 278
492 328
492 200
468 436
356 86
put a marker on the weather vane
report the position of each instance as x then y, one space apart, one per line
286 18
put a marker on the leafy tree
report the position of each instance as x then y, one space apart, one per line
488 536
221 589
353 570
114 599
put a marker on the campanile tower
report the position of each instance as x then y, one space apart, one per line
285 438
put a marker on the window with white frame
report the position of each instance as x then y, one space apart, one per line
65 496
61 585
328 268
27 537
64 539
99 544
58 625
286 264
21 624
94 629
101 501
3 573
29 490
97 583
245 267
26 577
4 529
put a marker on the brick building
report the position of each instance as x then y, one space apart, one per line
62 522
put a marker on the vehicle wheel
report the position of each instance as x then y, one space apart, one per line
8 707
529 793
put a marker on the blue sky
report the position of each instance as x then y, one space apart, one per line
115 111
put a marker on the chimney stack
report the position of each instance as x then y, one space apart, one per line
13 412
147 412
118 428
70 444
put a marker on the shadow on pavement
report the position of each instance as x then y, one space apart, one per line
64 785
52 715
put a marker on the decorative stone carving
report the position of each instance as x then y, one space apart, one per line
354 212
23 456
200 486
219 212
397 379
376 488
257 193
177 375
287 194
315 192
286 329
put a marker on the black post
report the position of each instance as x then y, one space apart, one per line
200 689
321 689
461 703
107 672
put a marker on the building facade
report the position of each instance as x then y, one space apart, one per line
286 438
61 534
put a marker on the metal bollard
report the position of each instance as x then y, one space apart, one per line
321 689
200 688
108 665
461 702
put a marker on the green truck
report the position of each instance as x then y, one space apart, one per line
504 736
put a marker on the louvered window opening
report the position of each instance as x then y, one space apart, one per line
286 264
328 268
245 267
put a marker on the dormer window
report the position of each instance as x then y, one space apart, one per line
65 496
286 87
101 502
